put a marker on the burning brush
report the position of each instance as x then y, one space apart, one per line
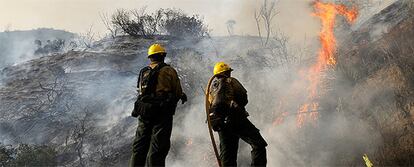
327 13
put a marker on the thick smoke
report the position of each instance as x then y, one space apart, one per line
270 95
336 138
19 46
14 49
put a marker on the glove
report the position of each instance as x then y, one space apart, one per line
142 108
183 98
217 122
238 109
134 112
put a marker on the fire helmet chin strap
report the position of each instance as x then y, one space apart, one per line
210 130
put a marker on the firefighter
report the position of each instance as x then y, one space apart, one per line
228 116
159 91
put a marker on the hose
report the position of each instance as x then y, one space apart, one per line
210 130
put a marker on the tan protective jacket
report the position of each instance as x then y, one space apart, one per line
228 91
168 81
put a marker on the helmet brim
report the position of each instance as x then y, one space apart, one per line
224 71
165 53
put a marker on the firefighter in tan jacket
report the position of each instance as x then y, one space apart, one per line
159 91
228 98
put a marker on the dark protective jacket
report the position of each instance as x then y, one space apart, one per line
227 94
159 89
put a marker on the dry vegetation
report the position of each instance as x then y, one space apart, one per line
170 22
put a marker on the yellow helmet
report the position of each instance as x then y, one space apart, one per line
221 67
155 48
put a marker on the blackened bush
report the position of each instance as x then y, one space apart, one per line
133 27
27 155
33 155
180 25
171 22
7 154
54 46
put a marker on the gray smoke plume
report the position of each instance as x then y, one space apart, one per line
19 46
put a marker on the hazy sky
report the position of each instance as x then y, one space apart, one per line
77 16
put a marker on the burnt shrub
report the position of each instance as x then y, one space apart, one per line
7 154
133 27
50 46
34 155
169 22
28 155
180 25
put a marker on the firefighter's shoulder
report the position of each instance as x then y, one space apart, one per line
168 70
236 84
232 80
146 68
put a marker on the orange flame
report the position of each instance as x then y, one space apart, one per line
327 13
280 119
300 119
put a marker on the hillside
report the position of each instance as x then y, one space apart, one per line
380 70
45 98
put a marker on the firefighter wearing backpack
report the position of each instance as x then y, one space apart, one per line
159 91
228 116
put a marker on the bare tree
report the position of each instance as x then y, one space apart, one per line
86 39
281 49
257 19
133 27
80 133
285 55
50 97
141 25
267 13
230 26
139 21
281 55
151 22
7 28
113 29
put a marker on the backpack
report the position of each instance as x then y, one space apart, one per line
147 82
147 79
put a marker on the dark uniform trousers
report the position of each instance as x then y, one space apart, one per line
241 128
152 141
